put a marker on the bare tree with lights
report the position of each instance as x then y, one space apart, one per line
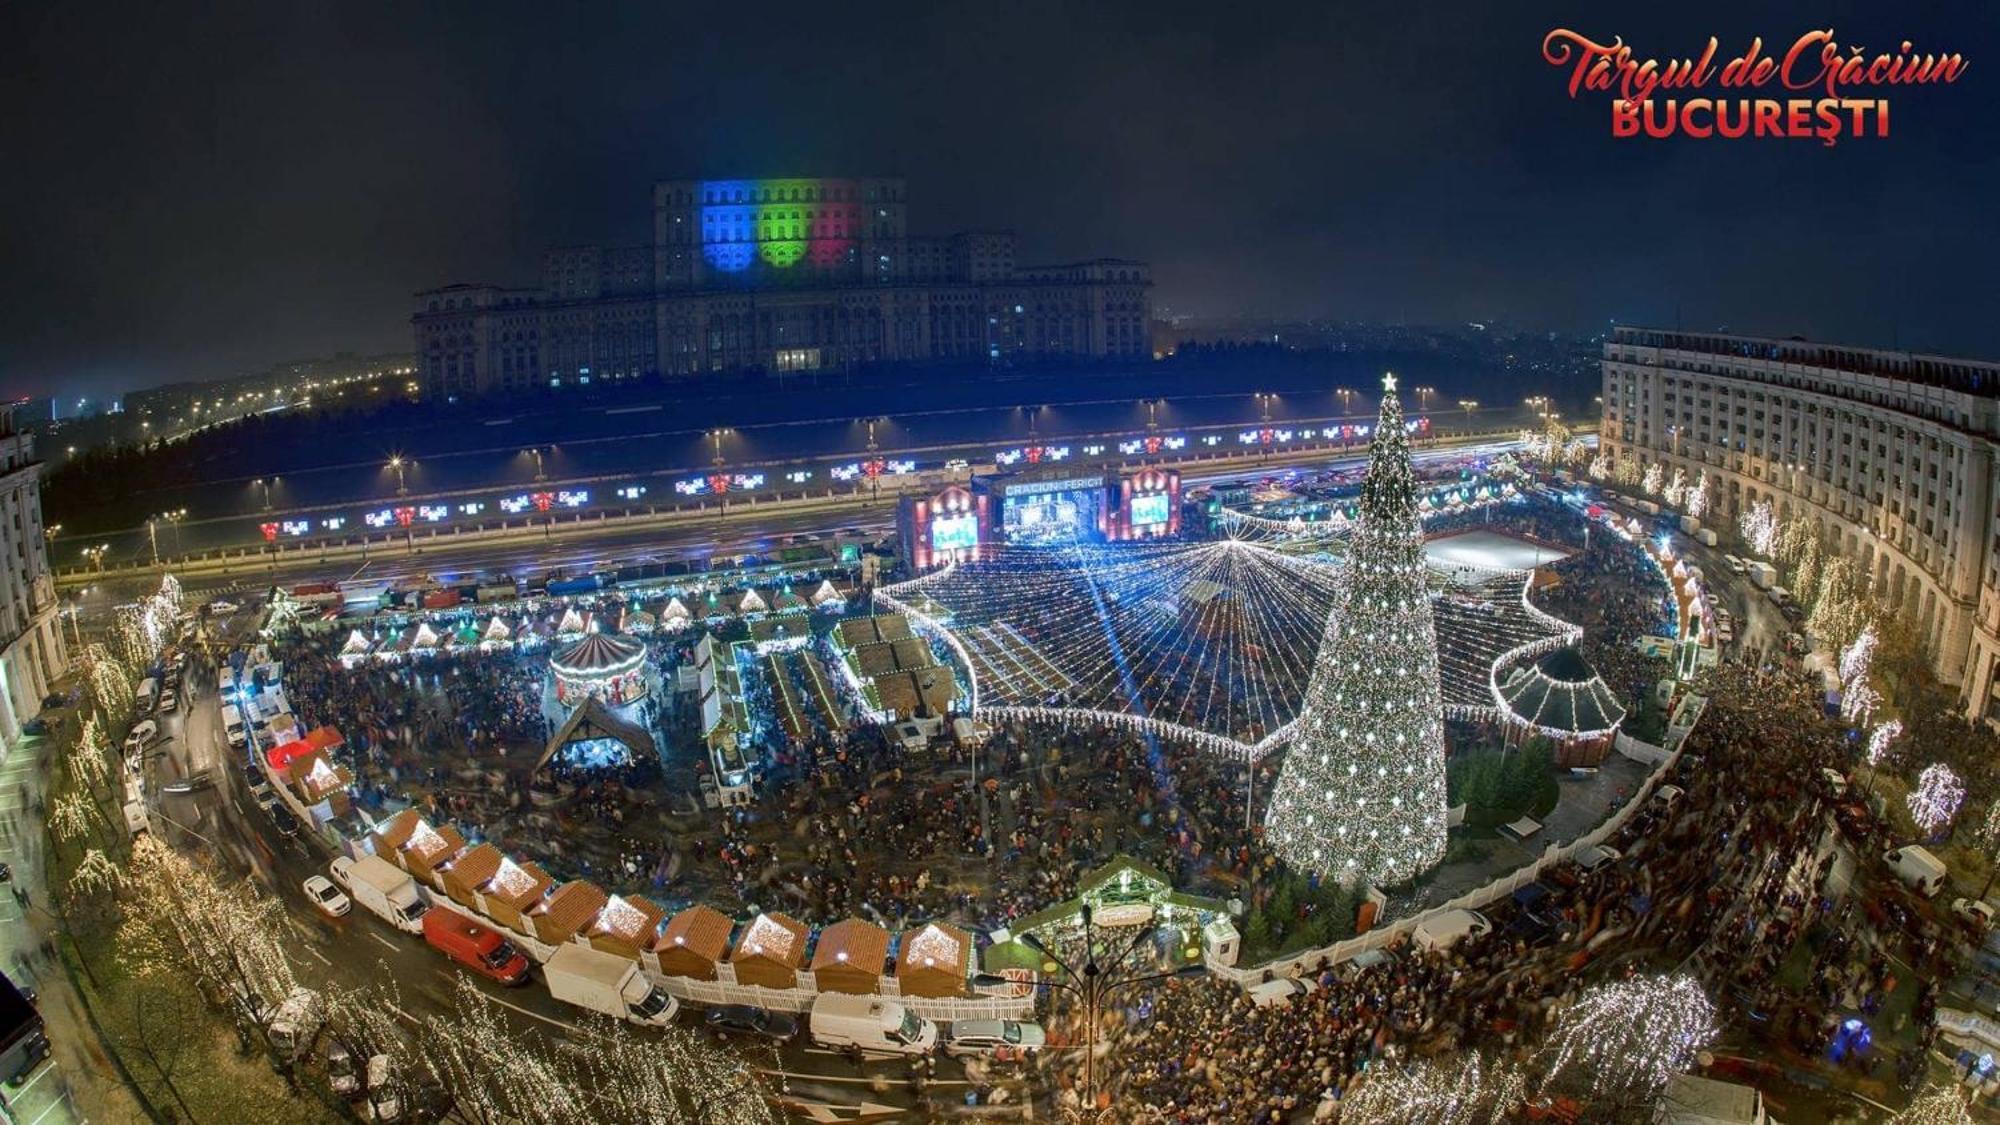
1934 802
1619 1043
1361 795
1939 1105
1760 528
1472 1090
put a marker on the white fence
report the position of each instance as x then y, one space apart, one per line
801 999
1301 963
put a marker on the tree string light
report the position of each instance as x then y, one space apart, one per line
1935 800
1361 795
1623 1041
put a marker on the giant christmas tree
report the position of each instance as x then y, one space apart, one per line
1361 797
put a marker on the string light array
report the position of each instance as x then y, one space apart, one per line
1760 528
1939 1105
1626 1039
1471 1091
1361 796
1935 800
1882 740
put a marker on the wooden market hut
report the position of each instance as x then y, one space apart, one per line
851 956
626 926
513 891
471 871
770 951
693 943
566 913
934 960
429 849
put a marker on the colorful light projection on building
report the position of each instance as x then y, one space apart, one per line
779 223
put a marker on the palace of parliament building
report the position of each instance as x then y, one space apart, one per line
779 275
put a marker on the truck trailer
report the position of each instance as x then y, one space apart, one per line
388 892
607 984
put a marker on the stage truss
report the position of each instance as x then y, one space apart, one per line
1209 642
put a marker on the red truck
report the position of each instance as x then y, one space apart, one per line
477 947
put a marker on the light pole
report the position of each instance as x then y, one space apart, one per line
174 519
1092 983
1264 400
715 438
1345 394
874 474
1152 423
96 556
398 462
153 537
264 484
536 453
1424 397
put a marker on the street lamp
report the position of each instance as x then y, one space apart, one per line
1345 394
874 474
536 452
399 463
1093 982
1424 397
96 555
1468 404
265 484
174 519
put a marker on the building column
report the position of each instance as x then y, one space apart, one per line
1968 565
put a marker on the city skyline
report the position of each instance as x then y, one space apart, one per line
304 174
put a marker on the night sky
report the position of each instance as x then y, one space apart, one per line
202 193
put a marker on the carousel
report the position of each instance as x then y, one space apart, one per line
601 666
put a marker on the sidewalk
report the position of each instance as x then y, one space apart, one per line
78 1082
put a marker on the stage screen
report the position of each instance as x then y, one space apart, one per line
955 533
1150 509
1052 516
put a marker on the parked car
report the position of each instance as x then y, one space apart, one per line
1667 796
1282 991
327 897
283 818
1443 930
1975 913
169 701
749 1020
385 1090
342 1076
341 869
1004 1040
142 736
222 608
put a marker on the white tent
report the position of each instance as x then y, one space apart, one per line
572 622
826 593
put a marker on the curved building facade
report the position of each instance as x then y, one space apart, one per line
1891 453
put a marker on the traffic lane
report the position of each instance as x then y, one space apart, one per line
357 949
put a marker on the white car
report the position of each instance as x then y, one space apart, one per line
169 702
994 1038
385 1095
1441 931
222 608
342 870
342 1076
327 897
1973 912
142 736
1282 991
1669 795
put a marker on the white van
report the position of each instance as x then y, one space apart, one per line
232 725
876 1025
1441 931
1704 1101
147 695
1920 869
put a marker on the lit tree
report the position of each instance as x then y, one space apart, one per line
680 1078
229 939
1621 1042
1935 800
1939 1105
1989 838
1696 499
109 688
1858 659
1600 467
1361 795
1859 701
1676 489
75 813
1806 572
95 874
493 1076
1471 1091
1655 476
1793 535
1760 528
86 757
1881 743
1842 609
1626 472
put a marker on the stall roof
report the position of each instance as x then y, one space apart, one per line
852 941
702 930
592 720
573 906
934 946
773 936
628 919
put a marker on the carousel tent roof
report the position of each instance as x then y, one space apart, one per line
572 621
598 654
674 611
356 644
1561 692
826 593
497 630
592 720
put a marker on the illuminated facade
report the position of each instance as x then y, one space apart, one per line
781 275
1891 454
32 651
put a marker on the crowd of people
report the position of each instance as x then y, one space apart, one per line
1728 870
